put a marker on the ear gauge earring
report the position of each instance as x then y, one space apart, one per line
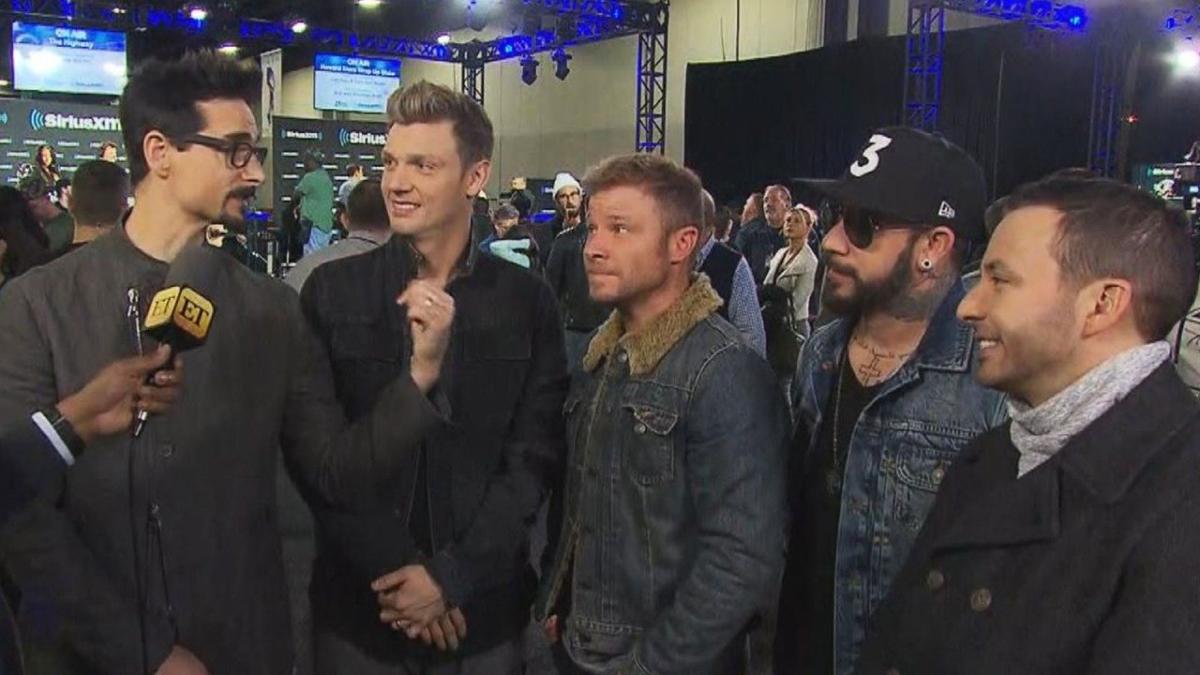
926 265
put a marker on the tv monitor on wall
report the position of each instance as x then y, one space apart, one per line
68 60
354 83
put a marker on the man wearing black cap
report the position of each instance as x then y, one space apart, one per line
884 394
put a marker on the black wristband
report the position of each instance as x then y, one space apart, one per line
62 426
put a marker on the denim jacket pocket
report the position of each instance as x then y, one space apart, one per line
918 475
601 644
650 454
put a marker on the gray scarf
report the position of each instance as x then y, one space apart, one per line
1038 433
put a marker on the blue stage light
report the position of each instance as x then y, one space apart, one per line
1073 16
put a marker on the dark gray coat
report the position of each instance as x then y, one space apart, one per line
203 502
1087 564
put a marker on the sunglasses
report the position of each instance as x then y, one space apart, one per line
861 224
238 153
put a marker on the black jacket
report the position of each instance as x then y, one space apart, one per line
1087 564
758 241
29 466
203 501
568 278
488 468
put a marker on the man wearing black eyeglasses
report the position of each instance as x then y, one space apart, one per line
163 553
884 394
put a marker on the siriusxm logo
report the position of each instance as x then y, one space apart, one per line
42 120
347 137
302 135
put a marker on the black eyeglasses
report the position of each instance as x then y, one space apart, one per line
238 152
861 224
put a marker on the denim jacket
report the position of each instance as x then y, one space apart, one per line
903 443
673 516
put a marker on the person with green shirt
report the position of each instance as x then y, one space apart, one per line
58 224
314 194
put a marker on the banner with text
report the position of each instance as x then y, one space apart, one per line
340 143
74 130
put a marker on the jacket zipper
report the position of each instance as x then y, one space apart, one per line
133 313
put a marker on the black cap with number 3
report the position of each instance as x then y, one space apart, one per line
916 177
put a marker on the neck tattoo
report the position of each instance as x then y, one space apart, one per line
875 364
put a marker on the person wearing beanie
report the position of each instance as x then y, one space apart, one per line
568 201
565 271
568 212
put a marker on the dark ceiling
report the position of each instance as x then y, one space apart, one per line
424 19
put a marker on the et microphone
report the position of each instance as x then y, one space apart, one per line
180 317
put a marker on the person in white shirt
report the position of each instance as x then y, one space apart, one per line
794 268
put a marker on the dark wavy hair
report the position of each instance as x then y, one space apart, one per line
1111 229
161 95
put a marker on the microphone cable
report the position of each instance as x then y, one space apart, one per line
139 588
133 314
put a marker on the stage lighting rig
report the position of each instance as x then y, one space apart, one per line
561 60
529 66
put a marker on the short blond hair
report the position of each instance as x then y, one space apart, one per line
810 216
426 103
675 189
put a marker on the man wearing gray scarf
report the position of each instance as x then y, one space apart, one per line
1066 541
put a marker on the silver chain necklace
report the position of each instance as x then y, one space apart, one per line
833 477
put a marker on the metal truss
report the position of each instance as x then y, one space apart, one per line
1105 117
472 80
924 60
348 41
593 21
1043 14
637 15
651 132
1183 21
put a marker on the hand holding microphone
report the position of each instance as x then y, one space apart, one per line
180 316
106 404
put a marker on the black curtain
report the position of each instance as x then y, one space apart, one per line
1016 99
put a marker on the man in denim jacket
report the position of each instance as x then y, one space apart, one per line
672 518
885 394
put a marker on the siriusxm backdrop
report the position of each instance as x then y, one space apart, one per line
76 131
341 143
